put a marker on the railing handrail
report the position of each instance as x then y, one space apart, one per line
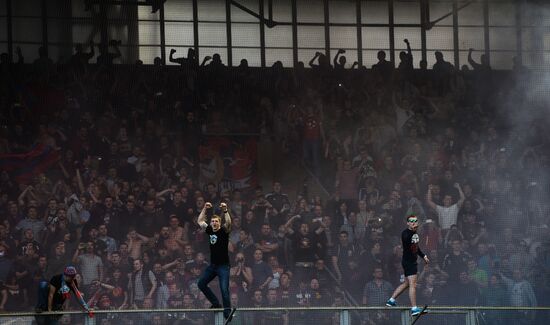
252 309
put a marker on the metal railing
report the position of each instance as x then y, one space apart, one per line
311 315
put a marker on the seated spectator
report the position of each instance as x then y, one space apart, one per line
245 245
116 284
270 317
344 252
455 261
261 272
167 289
432 289
355 230
377 290
26 242
14 297
496 294
266 242
110 242
276 271
58 261
478 276
320 296
31 222
241 273
285 288
465 292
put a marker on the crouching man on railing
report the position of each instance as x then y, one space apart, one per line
52 296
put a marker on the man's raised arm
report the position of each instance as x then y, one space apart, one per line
429 199
202 216
226 216
172 59
461 193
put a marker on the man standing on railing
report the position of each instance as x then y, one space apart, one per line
219 256
52 296
411 251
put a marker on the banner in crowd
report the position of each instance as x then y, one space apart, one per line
24 166
230 161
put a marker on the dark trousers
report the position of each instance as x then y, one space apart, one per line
42 306
222 271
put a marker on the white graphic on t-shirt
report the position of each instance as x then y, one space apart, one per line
415 239
213 239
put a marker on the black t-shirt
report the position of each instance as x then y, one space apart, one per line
150 222
22 248
62 290
16 301
453 264
277 200
180 211
267 240
411 250
304 247
218 241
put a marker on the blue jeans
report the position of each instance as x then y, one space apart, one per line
222 271
43 291
42 305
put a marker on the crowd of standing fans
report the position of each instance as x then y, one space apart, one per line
447 144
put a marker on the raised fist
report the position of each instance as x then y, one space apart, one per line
223 206
208 205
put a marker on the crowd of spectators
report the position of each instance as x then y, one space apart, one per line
121 202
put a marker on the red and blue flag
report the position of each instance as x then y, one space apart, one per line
24 166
